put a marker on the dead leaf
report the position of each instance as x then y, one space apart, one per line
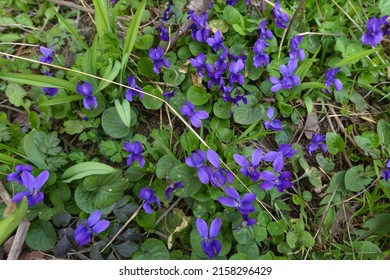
311 125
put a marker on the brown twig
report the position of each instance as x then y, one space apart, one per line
17 244
5 195
73 6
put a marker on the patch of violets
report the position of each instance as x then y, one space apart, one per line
47 54
376 28
250 169
281 181
163 33
261 58
199 29
272 123
150 198
243 204
295 51
83 233
135 153
317 142
17 175
211 247
89 101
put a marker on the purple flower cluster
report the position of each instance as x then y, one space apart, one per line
199 29
85 89
269 179
376 28
23 176
47 54
296 52
216 175
83 233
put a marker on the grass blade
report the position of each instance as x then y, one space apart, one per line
102 17
32 152
132 33
37 80
62 100
355 57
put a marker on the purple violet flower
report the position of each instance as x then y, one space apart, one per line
374 32
296 52
317 142
169 94
234 69
163 34
48 90
272 124
247 221
260 58
386 172
227 96
171 188
281 19
137 90
216 42
218 176
17 175
330 79
159 61
265 34
199 30
150 198
135 150
198 160
113 1
244 204
210 245
83 233
231 2
247 169
215 73
188 110
289 80
199 64
89 101
277 158
282 182
33 186
47 54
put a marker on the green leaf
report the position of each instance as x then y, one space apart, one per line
232 15
189 142
81 170
12 221
144 42
165 164
367 250
32 152
146 220
145 67
110 73
41 236
124 111
73 127
306 239
187 176
113 124
356 178
383 130
102 17
275 228
85 201
219 24
152 249
250 113
150 102
245 235
15 94
355 57
198 95
9 160
72 30
131 34
291 239
59 100
37 80
335 143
